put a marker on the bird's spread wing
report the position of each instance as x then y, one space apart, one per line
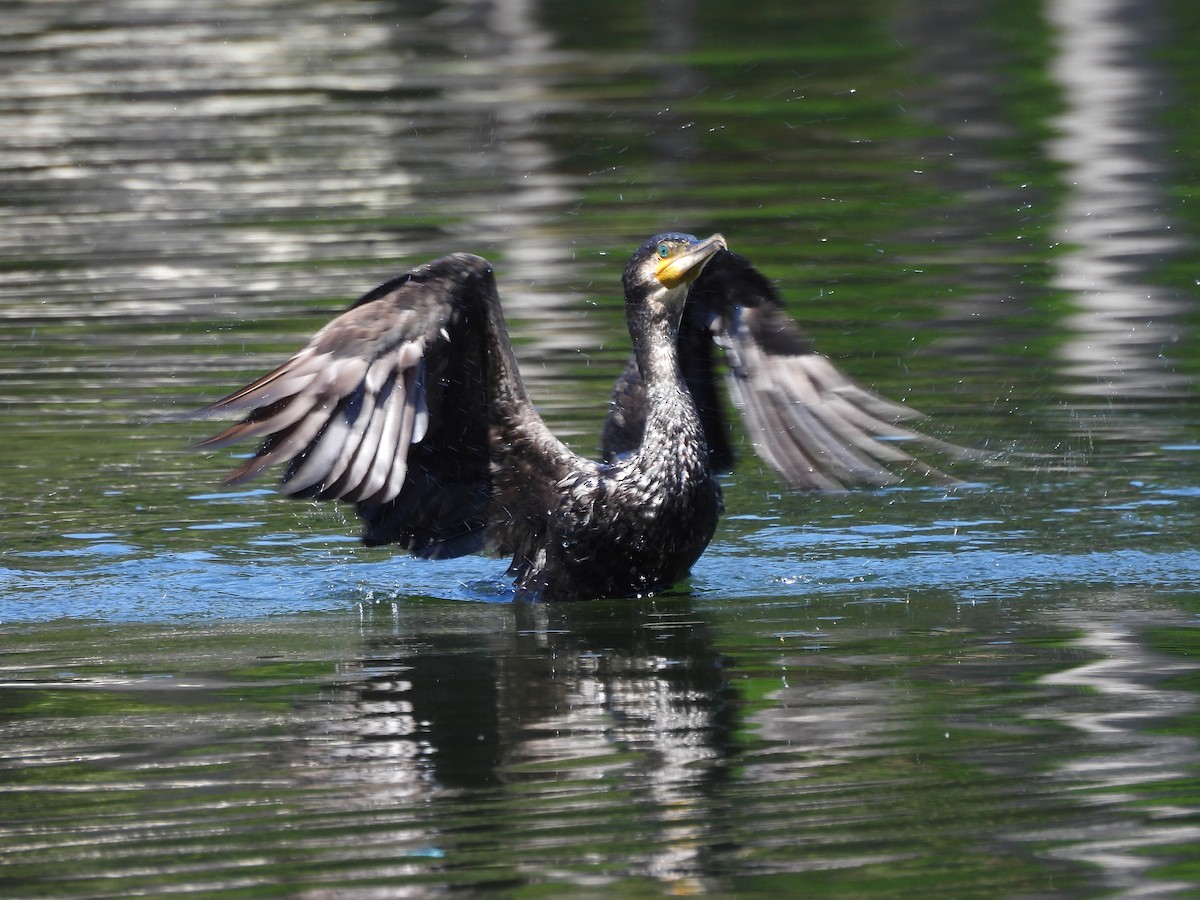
344 423
806 419
391 406
811 423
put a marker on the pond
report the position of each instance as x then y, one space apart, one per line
986 210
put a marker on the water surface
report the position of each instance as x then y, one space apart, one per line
984 209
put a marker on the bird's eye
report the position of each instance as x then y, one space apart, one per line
663 251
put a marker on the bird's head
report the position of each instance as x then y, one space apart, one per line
661 270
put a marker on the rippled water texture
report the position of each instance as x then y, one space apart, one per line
985 209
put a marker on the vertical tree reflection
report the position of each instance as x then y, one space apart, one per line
1115 220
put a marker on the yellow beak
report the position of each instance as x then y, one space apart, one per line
685 267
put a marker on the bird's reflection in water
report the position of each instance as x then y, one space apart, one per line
616 680
545 700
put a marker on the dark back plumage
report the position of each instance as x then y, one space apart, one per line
410 404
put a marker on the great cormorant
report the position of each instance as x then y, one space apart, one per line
410 405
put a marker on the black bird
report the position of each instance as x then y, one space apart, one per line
410 405
810 423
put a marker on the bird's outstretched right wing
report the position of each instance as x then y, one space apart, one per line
387 407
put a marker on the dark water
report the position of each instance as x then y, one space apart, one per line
986 209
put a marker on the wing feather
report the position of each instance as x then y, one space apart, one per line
279 447
272 419
354 478
345 410
806 419
410 405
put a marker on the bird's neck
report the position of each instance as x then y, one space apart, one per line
672 422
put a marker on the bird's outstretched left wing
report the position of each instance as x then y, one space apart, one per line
807 420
